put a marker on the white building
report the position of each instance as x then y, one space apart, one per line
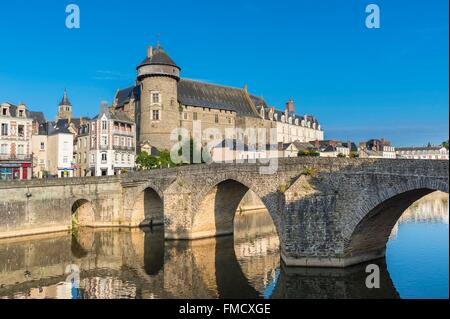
429 153
53 149
111 139
375 148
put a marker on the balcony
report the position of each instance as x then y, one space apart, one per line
123 132
12 157
124 148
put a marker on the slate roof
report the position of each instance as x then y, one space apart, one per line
53 128
38 117
159 57
65 99
214 96
35 116
125 95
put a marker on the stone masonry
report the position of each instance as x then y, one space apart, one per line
328 212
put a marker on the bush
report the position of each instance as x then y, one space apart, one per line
308 153
340 155
354 155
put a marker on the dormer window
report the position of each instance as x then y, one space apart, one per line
4 111
290 120
21 113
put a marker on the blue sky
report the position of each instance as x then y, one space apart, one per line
361 83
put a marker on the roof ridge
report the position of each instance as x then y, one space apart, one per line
212 84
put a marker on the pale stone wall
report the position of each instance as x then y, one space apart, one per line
322 208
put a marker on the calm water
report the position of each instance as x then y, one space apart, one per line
140 264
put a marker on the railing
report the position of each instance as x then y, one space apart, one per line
123 148
123 132
10 157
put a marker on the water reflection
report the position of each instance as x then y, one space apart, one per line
124 263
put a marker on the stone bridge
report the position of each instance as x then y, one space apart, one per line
328 212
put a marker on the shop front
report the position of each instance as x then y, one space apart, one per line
15 171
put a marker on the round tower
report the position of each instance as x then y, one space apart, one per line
158 76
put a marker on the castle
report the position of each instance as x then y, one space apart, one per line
161 101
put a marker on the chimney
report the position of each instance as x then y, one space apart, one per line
150 52
290 106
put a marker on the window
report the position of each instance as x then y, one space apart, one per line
116 140
4 149
104 125
20 150
92 158
129 158
42 146
4 129
129 142
65 159
195 116
21 130
185 115
229 120
155 115
21 113
104 140
123 158
117 157
104 157
4 111
216 118
155 98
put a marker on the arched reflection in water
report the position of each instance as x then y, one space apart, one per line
124 263
417 251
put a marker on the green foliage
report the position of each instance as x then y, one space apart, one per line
341 155
354 155
309 153
310 171
144 161
445 144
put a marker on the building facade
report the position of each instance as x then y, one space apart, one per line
375 148
428 153
106 145
161 101
16 128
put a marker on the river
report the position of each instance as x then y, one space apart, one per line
139 263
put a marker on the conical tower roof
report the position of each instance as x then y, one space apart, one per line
158 57
65 99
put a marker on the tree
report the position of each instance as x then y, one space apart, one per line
445 144
145 161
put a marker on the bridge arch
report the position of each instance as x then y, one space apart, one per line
83 211
372 224
216 205
147 205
